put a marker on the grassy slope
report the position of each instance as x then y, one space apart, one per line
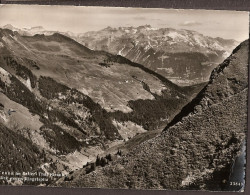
114 87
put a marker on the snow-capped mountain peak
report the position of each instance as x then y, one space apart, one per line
163 49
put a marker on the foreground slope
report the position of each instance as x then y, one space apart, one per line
197 150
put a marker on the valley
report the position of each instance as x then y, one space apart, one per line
195 151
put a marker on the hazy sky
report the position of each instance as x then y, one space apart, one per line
225 24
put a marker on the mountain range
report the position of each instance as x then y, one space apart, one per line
185 57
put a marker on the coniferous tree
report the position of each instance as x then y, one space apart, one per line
103 162
119 152
93 166
98 161
109 157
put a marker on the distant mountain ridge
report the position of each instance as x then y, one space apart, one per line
185 57
29 31
182 56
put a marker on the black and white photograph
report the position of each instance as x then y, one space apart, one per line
123 98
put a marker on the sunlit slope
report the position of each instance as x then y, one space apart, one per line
114 82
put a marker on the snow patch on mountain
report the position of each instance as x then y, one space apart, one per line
134 31
215 45
151 28
200 41
10 27
226 54
177 36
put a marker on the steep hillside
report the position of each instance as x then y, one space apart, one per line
185 57
196 151
22 155
114 82
18 154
